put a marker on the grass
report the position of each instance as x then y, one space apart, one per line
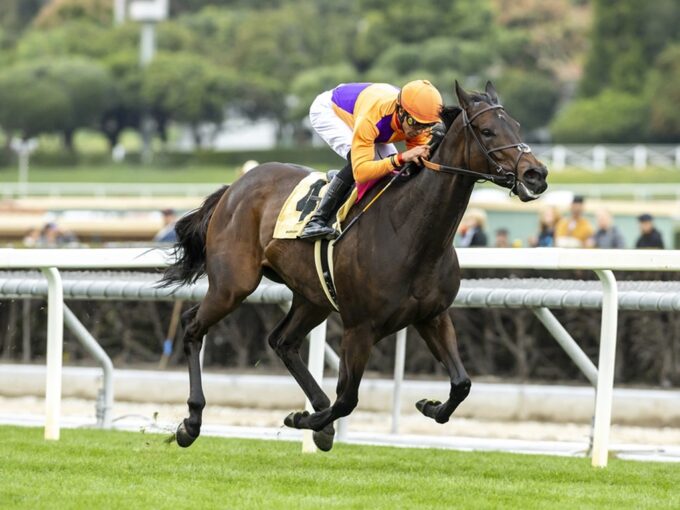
623 175
125 173
219 174
97 469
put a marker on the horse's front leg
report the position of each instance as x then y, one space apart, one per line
441 339
354 353
286 340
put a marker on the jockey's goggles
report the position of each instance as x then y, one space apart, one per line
417 125
405 116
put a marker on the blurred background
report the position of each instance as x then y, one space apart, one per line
134 102
117 116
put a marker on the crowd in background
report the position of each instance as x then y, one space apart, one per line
571 231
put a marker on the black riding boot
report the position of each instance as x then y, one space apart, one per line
320 226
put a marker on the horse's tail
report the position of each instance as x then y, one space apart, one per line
189 250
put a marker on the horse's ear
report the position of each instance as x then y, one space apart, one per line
491 92
463 97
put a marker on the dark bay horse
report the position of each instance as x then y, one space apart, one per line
396 267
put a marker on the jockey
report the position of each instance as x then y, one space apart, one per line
360 121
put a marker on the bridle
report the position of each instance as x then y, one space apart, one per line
502 177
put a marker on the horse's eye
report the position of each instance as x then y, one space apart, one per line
487 132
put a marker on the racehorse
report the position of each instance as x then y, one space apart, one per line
396 267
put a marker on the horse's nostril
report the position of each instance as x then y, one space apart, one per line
535 175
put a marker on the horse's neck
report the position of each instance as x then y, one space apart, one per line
438 200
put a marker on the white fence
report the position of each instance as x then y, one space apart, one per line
602 262
558 157
599 157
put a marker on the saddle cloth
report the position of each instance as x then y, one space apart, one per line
301 204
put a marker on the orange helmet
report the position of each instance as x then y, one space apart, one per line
422 101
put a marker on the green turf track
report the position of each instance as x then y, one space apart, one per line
128 173
93 469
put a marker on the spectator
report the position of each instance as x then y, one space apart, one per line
32 238
575 230
546 228
608 235
472 229
49 236
502 238
650 237
167 233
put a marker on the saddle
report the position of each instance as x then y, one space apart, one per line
300 205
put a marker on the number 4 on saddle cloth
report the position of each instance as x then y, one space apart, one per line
298 210
303 201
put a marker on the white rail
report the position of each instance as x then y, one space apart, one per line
600 261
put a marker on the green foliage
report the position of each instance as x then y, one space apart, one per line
627 36
185 88
125 103
56 95
58 12
383 25
665 96
30 105
530 98
77 38
173 36
270 58
15 15
308 84
612 116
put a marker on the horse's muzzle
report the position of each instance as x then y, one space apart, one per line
532 183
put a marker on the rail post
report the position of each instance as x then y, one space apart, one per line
55 348
605 368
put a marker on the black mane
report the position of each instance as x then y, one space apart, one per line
449 114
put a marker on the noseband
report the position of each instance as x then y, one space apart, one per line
502 177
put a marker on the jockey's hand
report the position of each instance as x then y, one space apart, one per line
414 154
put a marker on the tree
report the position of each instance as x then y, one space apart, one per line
308 84
89 89
611 116
29 104
530 98
53 96
627 37
665 96
382 25
78 38
184 88
58 12
125 105
15 15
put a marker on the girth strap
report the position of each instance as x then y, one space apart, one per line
323 260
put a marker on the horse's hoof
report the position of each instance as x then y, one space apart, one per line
182 436
426 407
294 418
323 439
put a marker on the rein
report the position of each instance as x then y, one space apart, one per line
502 177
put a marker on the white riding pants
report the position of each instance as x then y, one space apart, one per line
333 130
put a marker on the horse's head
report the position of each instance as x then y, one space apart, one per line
493 144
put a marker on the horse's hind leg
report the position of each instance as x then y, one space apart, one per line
441 339
223 296
286 340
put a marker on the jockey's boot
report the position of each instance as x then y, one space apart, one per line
320 225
